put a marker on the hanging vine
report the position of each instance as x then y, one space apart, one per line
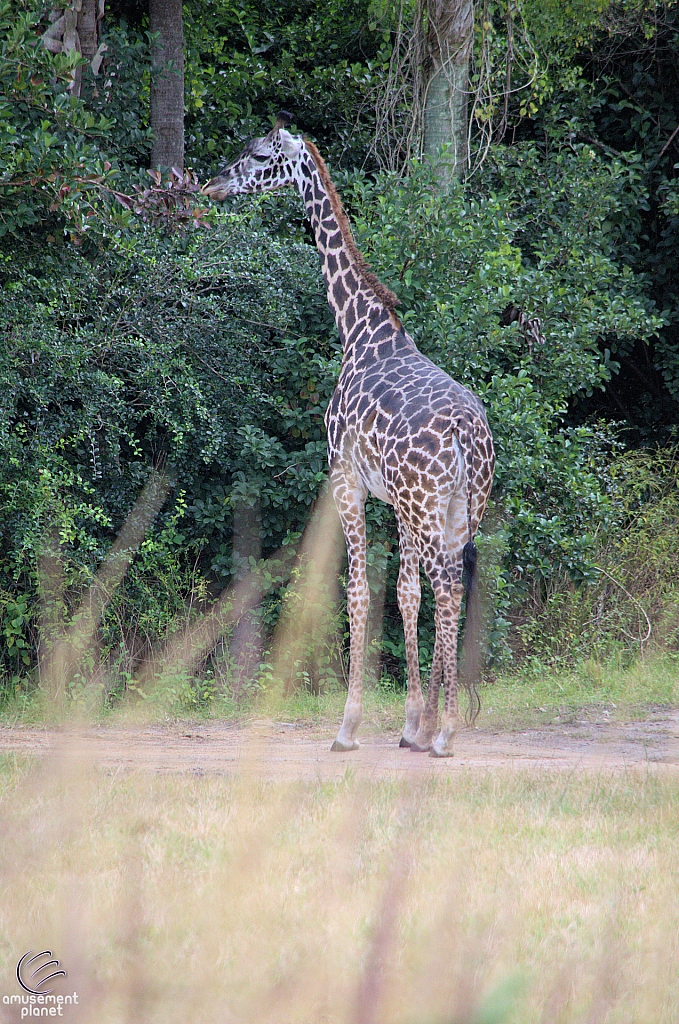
504 67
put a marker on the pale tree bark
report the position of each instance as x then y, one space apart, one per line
74 28
167 83
450 26
88 28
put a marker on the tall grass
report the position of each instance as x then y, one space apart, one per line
510 896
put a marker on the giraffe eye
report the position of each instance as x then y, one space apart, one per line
261 159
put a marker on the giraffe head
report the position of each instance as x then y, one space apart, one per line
263 165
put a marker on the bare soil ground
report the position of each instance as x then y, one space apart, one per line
284 750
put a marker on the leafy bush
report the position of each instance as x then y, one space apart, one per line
321 59
632 606
212 357
52 143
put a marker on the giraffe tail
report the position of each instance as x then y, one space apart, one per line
469 556
471 655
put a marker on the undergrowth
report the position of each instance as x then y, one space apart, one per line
631 608
609 645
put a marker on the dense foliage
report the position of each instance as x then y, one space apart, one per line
211 354
614 83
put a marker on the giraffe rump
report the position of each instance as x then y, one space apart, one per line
384 294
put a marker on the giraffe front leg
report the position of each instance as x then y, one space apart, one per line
408 594
350 505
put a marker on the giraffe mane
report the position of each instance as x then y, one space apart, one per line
384 294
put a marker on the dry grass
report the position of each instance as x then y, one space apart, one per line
487 897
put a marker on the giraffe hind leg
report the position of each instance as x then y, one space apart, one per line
448 602
448 589
429 720
441 546
445 536
448 606
408 593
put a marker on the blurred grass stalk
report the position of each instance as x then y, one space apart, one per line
72 652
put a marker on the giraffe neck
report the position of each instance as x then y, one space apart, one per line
358 308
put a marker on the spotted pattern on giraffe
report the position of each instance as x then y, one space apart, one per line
398 427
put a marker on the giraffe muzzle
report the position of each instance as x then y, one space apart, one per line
217 188
213 190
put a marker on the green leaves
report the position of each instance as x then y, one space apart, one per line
245 61
51 141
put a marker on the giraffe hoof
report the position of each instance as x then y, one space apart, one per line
440 753
403 742
343 748
417 749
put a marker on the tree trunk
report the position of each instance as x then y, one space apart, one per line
75 27
88 28
450 25
167 83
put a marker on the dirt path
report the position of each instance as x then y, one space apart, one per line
288 750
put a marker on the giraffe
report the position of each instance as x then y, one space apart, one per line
397 426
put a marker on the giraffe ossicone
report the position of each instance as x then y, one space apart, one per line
399 427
